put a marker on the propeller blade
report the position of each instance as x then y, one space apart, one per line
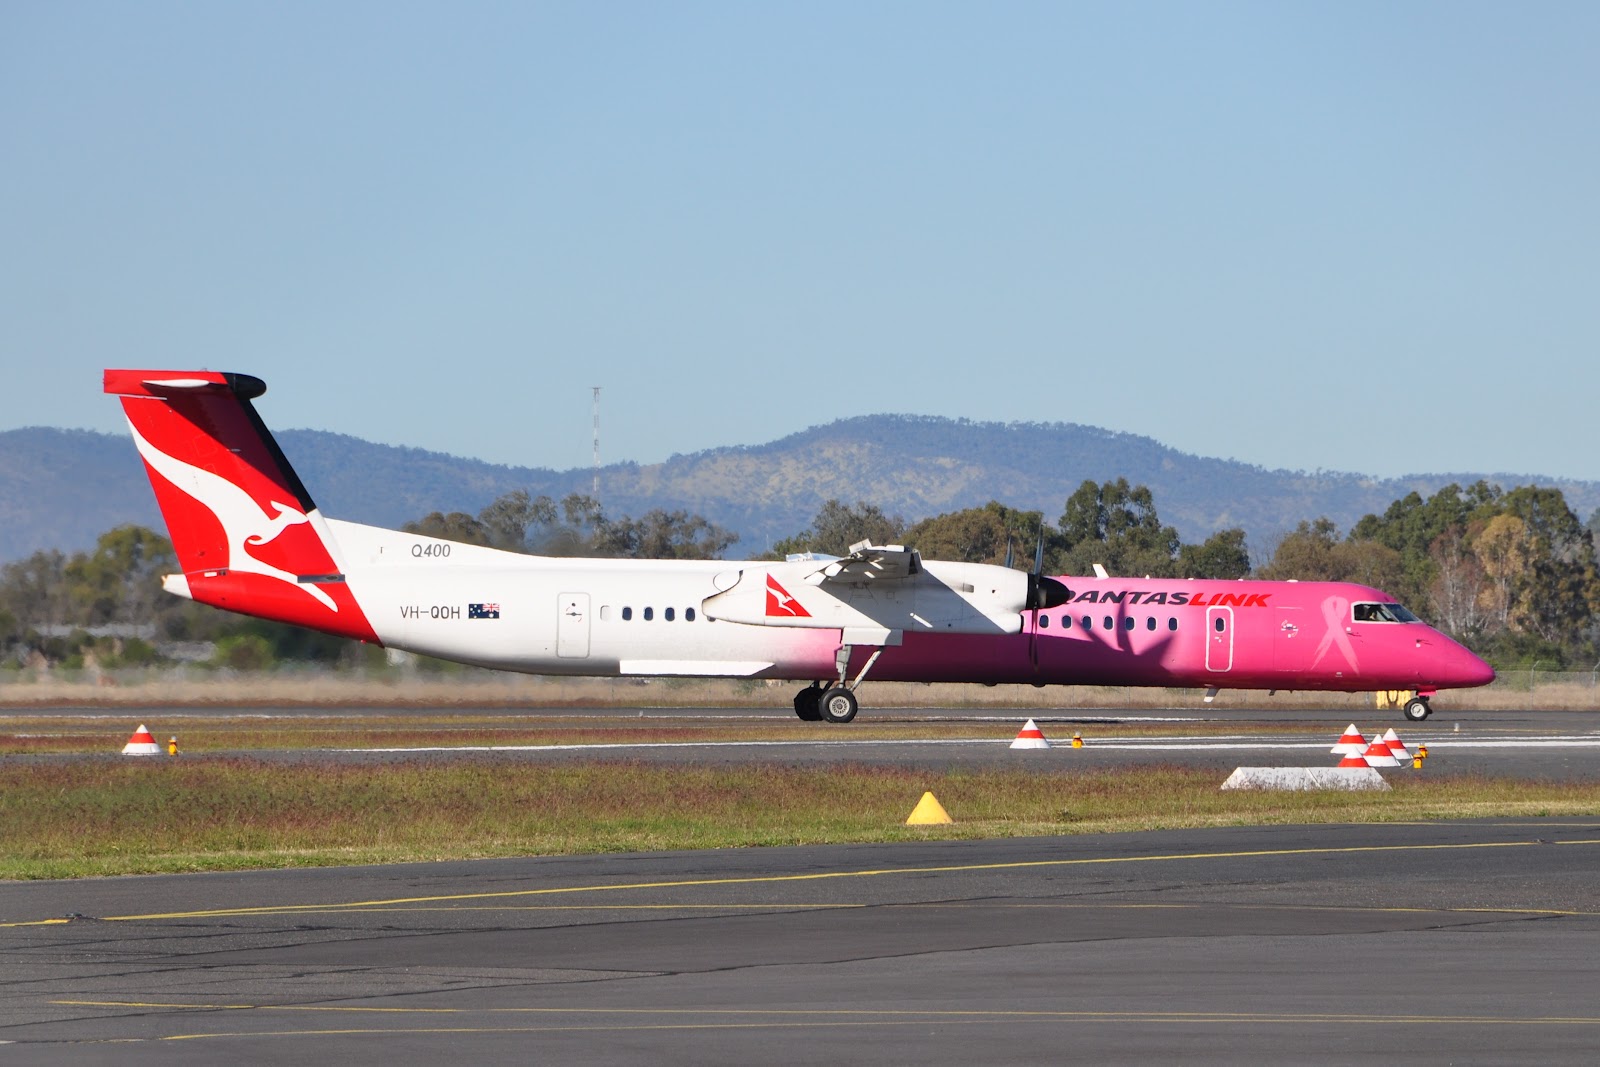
1044 592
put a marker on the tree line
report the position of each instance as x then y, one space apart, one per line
1512 574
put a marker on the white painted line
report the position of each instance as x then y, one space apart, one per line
675 744
1196 745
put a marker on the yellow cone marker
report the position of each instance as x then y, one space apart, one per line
1077 740
928 812
172 746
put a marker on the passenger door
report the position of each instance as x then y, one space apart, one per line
572 625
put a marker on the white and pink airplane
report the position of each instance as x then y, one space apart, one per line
250 540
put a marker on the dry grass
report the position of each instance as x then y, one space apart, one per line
104 817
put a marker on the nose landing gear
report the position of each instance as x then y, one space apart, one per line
1417 708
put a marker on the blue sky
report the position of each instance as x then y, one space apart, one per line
1349 236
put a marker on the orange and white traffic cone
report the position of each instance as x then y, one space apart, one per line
1030 736
1378 755
1397 747
141 744
1350 744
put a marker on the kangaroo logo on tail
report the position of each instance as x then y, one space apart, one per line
245 523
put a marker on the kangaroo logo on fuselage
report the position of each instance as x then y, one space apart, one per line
244 521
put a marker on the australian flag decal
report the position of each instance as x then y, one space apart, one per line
483 611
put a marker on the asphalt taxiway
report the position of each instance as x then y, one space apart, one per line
1451 942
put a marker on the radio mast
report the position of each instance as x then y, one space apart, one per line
595 491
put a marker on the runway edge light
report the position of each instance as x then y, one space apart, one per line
928 812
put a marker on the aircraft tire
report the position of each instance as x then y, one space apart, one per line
808 703
1417 709
838 705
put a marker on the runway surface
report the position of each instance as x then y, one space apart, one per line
1461 942
1432 943
1533 745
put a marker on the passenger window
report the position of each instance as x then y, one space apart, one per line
1110 625
605 612
1088 623
1127 624
667 615
627 614
1066 622
1150 623
649 613
1172 624
1044 622
688 615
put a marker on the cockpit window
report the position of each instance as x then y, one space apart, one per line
1382 613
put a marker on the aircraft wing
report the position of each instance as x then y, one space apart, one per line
868 562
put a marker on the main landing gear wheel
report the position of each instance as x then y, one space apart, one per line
1417 709
808 703
838 705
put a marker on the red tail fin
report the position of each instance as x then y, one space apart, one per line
245 530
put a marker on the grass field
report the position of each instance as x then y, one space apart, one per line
214 808
102 817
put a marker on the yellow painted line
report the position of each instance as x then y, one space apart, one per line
757 1018
769 879
792 906
1216 906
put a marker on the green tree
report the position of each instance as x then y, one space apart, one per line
1315 553
1222 555
457 526
1559 591
988 534
660 534
1310 553
837 526
244 652
120 581
578 526
34 596
1459 586
1116 525
511 519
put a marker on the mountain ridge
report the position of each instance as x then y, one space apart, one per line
62 488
